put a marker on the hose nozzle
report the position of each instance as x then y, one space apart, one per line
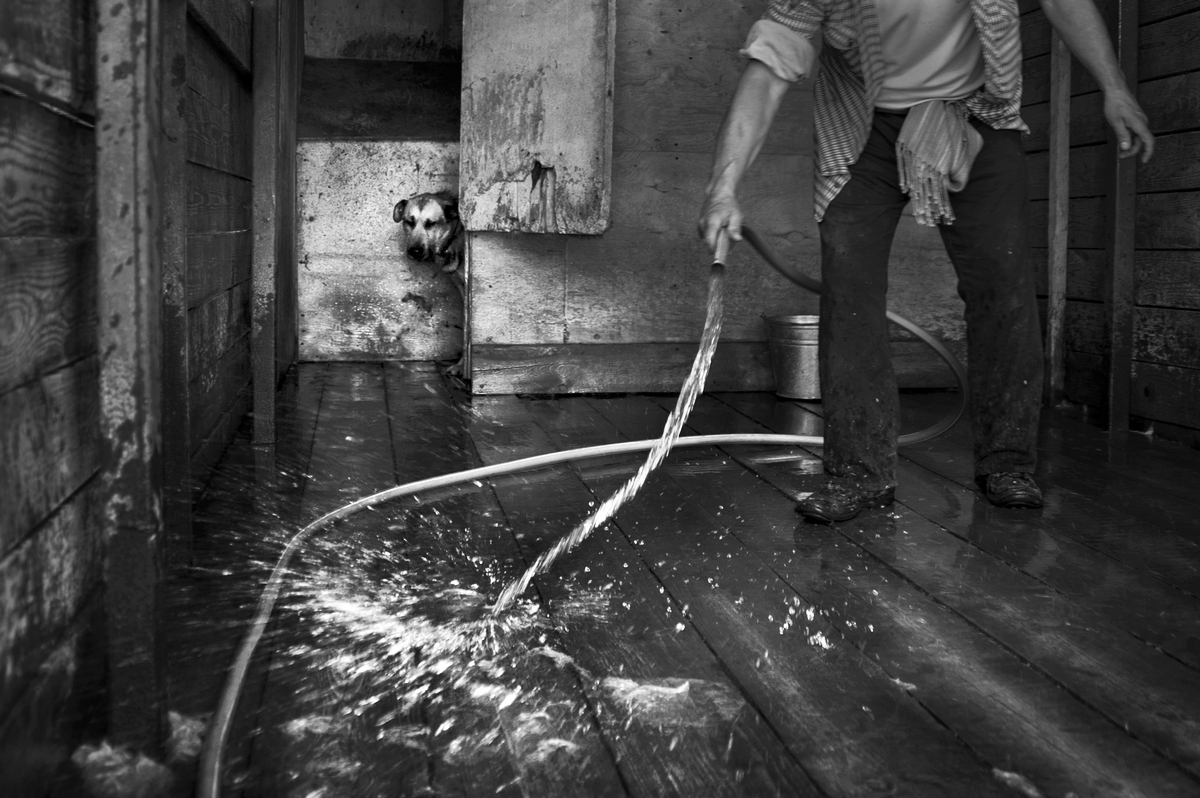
721 252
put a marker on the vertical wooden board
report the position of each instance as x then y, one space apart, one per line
1122 216
176 273
47 160
288 266
45 45
1058 192
48 303
537 115
265 211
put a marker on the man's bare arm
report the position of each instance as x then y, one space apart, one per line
1081 27
755 102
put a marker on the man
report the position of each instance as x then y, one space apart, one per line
920 100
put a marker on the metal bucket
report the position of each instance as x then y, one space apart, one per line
793 344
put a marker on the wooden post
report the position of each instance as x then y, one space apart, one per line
1059 209
278 37
176 406
265 214
1120 206
130 309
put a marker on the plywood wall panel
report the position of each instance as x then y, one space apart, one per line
48 166
522 295
46 579
49 445
48 304
532 103
46 47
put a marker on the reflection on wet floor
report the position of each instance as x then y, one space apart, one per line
706 642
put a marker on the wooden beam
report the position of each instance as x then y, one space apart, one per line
1121 216
130 309
278 35
265 213
1059 206
176 407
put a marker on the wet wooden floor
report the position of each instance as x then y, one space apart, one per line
942 648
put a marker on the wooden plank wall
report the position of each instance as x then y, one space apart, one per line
50 546
622 311
218 174
1166 345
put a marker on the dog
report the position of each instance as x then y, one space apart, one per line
432 232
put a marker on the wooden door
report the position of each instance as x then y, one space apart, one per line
537 115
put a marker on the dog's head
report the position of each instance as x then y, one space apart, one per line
430 225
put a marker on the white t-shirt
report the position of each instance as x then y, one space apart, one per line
931 51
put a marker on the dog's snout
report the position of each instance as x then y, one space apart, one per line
416 253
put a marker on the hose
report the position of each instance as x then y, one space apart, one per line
211 758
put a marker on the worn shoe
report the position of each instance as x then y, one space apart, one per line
840 502
1011 489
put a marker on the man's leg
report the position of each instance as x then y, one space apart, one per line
858 386
987 244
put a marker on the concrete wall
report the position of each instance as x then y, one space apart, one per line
361 298
396 30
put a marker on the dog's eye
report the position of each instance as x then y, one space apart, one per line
428 224
409 223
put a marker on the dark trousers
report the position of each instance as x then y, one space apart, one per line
987 245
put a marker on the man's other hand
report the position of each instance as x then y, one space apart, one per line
1129 123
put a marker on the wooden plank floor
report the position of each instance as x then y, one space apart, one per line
707 642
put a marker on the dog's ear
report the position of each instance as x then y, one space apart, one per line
398 211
